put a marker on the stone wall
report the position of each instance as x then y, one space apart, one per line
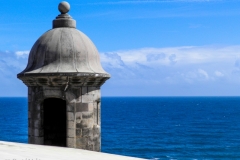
22 151
83 115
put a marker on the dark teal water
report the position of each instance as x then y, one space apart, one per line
152 127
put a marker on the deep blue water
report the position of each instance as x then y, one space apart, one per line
152 127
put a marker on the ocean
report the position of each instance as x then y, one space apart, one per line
157 128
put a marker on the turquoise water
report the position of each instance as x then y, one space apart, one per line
152 127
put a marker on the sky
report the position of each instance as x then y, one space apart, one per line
150 47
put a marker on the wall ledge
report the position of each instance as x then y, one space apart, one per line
21 151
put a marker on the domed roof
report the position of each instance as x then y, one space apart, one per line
63 50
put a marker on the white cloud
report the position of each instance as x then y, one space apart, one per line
172 59
113 60
186 55
155 57
218 74
185 70
203 73
22 54
193 67
10 66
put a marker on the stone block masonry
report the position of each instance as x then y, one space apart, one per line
82 116
64 76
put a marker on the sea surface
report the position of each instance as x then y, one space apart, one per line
181 128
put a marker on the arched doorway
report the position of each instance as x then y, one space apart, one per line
54 122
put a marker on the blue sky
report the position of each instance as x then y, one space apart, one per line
150 47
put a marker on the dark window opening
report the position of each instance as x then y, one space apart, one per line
54 122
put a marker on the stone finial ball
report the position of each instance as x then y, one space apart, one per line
64 7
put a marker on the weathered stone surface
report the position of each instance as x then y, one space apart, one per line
71 142
70 116
38 107
87 98
82 124
52 92
71 107
71 132
78 132
81 107
29 114
96 137
71 124
76 91
35 140
82 129
64 64
63 55
70 97
37 132
29 99
90 107
82 142
30 124
87 132
37 123
35 115
87 115
99 113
